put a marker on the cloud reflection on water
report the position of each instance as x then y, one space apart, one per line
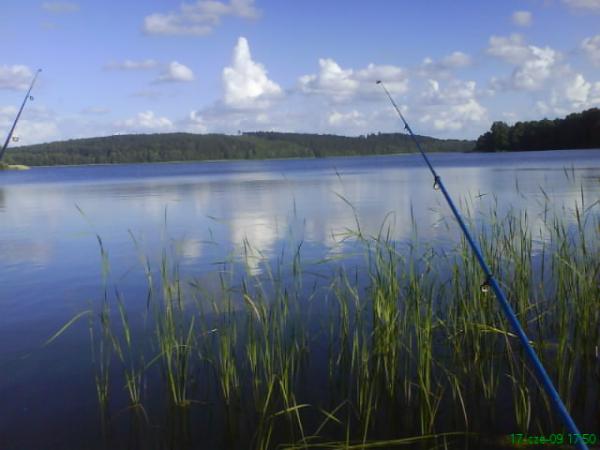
269 203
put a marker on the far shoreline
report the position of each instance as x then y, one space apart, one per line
21 167
195 161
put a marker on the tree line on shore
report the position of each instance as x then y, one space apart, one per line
577 130
197 147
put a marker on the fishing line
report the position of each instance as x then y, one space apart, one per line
28 96
491 283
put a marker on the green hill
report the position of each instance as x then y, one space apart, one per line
198 147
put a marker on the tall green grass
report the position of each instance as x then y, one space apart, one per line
406 350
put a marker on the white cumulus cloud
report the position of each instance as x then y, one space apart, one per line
176 72
538 68
586 5
573 91
444 67
16 77
456 117
37 125
245 82
456 59
6 112
199 18
34 131
343 84
555 87
577 91
522 18
451 107
511 49
146 121
455 92
591 47
395 79
534 65
349 119
331 80
570 92
195 123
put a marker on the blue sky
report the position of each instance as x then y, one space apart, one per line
308 66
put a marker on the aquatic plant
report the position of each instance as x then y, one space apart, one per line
406 349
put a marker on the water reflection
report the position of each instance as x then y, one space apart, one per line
266 207
51 266
16 252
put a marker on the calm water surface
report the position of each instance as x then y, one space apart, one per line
50 265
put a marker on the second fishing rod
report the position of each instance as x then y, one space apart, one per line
491 283
12 129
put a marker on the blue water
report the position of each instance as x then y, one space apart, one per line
51 269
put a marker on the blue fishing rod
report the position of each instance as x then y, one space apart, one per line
28 96
490 282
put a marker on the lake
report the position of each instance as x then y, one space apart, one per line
51 264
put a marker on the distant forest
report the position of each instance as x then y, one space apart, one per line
577 130
197 147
